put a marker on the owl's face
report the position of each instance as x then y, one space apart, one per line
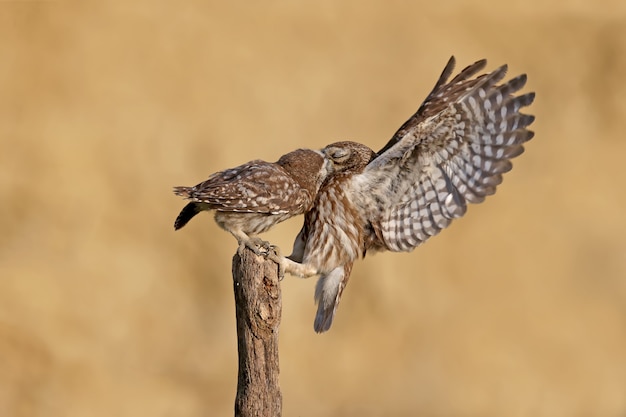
346 156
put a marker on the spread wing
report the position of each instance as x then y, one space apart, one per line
255 187
454 150
441 95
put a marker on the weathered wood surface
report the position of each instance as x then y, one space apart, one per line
258 309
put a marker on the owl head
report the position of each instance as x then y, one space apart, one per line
348 156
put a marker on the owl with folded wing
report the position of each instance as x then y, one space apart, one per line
253 197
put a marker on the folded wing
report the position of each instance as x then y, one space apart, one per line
248 188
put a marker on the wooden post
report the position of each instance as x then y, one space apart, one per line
258 307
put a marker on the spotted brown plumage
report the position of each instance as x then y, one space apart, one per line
253 197
451 152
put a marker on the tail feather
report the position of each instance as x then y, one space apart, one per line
327 295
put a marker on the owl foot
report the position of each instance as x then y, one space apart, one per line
274 254
257 245
265 249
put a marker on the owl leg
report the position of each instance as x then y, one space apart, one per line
254 243
298 269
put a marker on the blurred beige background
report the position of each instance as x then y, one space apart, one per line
519 309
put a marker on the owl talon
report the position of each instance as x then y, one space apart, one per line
266 247
277 252
256 245
275 256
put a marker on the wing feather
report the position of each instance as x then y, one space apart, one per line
248 188
451 152
442 93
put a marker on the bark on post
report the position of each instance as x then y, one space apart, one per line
258 308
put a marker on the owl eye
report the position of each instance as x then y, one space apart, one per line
338 154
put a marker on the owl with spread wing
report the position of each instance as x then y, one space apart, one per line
451 152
